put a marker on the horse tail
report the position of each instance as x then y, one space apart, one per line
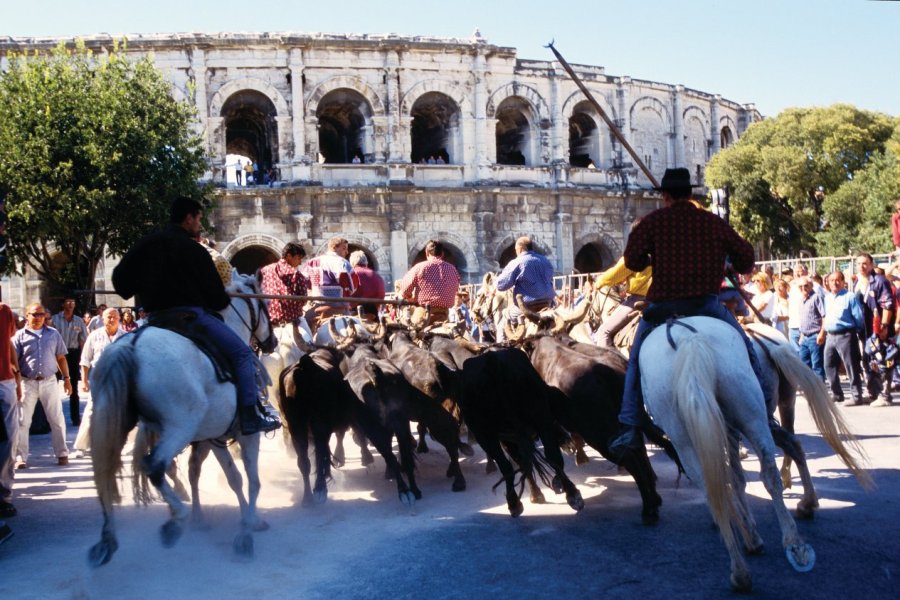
829 422
113 416
694 385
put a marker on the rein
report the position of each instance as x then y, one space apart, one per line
254 318
676 321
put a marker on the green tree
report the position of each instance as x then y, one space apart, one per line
858 214
92 151
783 170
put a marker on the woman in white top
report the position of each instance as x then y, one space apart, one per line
764 300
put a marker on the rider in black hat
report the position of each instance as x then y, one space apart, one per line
687 247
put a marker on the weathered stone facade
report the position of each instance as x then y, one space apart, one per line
523 151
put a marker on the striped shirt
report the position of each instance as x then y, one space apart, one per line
811 314
73 331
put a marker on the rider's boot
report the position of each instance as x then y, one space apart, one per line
253 422
630 438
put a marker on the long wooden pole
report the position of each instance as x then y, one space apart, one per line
609 122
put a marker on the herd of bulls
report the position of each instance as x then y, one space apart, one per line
547 388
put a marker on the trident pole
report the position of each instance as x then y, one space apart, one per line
609 122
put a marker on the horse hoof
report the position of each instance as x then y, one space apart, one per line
741 584
650 518
459 485
407 499
801 556
575 501
516 509
580 457
100 554
466 450
320 496
243 545
538 498
367 459
417 493
170 532
556 485
806 510
260 526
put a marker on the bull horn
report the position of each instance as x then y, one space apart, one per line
469 344
298 339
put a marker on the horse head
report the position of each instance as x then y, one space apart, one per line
249 317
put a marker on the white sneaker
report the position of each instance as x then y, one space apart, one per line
79 454
882 402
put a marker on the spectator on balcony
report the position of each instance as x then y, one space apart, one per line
356 160
431 160
440 160
238 172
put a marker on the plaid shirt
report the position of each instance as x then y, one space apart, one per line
435 282
687 247
811 315
282 279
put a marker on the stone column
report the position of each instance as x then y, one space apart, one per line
678 126
482 164
624 121
198 68
715 140
392 106
295 64
399 253
558 150
565 253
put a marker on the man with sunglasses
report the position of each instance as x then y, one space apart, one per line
41 352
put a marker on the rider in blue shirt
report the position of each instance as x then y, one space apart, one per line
530 275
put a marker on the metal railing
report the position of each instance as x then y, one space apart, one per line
822 264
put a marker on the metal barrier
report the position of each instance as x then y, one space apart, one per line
822 264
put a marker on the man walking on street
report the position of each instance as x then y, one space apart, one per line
41 352
74 333
844 321
10 394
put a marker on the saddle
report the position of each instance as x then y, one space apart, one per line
184 323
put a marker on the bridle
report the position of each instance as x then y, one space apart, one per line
256 317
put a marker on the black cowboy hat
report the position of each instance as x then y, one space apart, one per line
676 180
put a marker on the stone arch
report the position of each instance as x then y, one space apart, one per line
471 267
256 239
651 128
518 133
345 125
436 130
526 92
696 142
596 252
447 88
727 132
348 82
577 97
248 83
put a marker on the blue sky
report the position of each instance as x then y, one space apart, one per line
774 53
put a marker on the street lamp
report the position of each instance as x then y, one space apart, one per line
720 202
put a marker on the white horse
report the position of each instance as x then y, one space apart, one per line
163 380
702 393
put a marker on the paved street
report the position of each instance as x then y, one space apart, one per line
364 544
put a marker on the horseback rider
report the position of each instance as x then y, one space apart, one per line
687 247
529 275
169 270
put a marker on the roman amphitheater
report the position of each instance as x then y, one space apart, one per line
391 141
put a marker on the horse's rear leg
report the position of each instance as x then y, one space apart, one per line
250 458
789 443
800 555
199 452
551 439
156 464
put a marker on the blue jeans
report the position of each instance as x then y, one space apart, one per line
794 338
237 351
813 355
632 412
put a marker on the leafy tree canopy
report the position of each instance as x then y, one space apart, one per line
783 171
92 151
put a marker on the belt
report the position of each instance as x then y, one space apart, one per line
537 305
39 378
844 332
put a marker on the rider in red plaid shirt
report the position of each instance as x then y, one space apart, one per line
283 279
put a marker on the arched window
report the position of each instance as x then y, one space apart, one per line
345 127
251 130
435 129
584 137
248 260
726 137
515 133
